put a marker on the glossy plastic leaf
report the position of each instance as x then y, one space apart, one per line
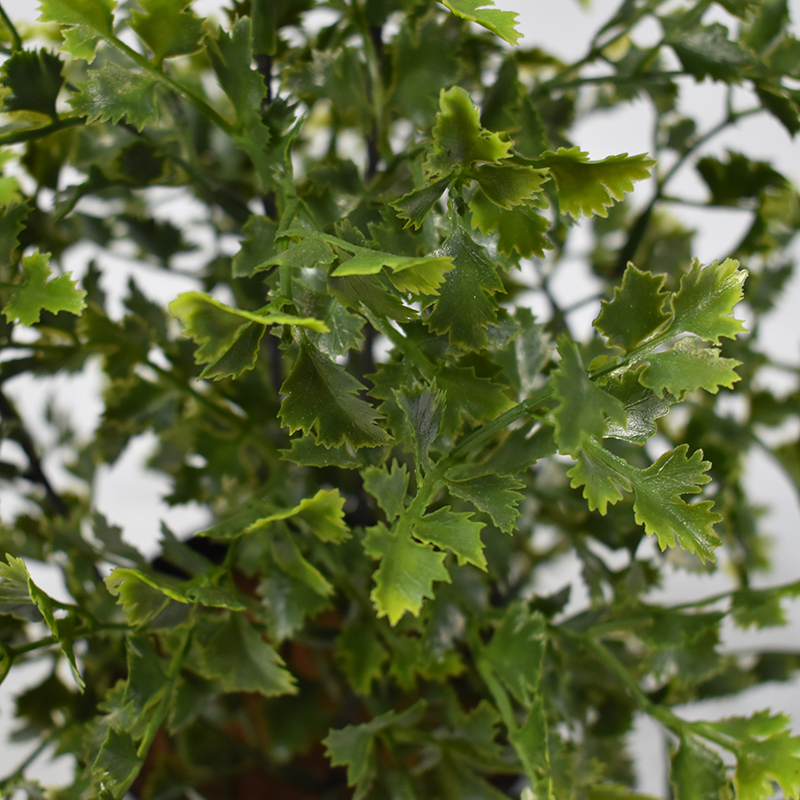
388 487
227 338
311 251
762 607
495 495
707 50
40 291
502 23
768 753
516 650
257 248
168 28
642 407
289 558
113 92
406 573
698 773
459 139
636 311
416 205
231 650
704 303
584 408
142 597
602 484
34 80
469 397
590 187
456 532
466 304
509 185
424 409
660 507
322 514
321 395
521 228
687 367
306 452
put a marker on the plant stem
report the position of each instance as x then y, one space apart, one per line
29 134
16 40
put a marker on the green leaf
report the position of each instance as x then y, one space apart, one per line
424 409
466 304
167 28
459 139
142 597
361 655
456 532
34 79
227 337
636 311
502 23
406 573
642 407
509 185
686 367
590 187
516 650
306 452
495 495
737 177
470 397
322 514
768 753
113 92
257 248
663 512
322 395
698 773
584 409
231 650
12 222
311 251
602 483
521 229
354 746
38 291
289 558
388 487
762 608
416 205
22 598
87 22
707 50
117 764
704 303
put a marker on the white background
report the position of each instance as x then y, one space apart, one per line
131 498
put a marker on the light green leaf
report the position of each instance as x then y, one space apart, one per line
590 187
456 532
87 22
113 92
388 487
502 23
406 573
117 764
521 229
230 649
321 395
686 367
495 495
289 558
509 185
167 28
38 291
602 484
636 311
466 304
584 409
323 514
704 303
142 597
459 139
311 251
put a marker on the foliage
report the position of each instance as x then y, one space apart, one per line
390 448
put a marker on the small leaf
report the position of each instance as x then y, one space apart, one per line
642 407
415 206
521 229
117 764
142 597
707 50
602 484
406 573
39 292
361 655
424 410
87 22
687 368
704 303
456 532
502 23
698 773
34 79
590 187
388 487
495 495
230 649
112 93
322 395
167 28
636 311
509 185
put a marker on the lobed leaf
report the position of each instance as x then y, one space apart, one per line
34 80
707 50
406 573
117 764
642 405
502 23
456 532
602 483
509 185
521 228
698 773
167 28
388 487
39 292
87 22
495 495
424 409
590 187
